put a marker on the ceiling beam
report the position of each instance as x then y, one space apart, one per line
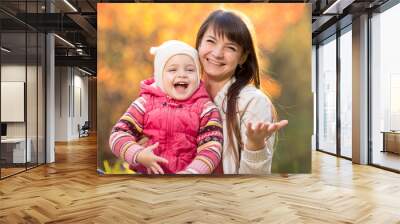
84 24
83 61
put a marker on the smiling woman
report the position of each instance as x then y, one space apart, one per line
219 55
227 52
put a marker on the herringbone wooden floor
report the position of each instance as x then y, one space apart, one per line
70 191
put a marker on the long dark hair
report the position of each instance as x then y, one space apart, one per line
236 28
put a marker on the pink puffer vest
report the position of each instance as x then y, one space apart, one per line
174 124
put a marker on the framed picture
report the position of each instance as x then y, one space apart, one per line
266 46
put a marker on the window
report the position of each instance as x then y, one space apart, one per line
385 88
327 95
22 68
346 92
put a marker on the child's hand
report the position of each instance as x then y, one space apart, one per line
147 158
257 136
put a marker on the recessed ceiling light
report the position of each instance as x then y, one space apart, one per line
337 7
5 50
71 6
64 40
84 71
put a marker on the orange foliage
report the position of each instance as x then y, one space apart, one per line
127 31
270 87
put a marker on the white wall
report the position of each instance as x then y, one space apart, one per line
81 84
61 103
71 93
15 73
12 101
33 126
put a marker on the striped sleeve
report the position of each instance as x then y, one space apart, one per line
209 141
127 131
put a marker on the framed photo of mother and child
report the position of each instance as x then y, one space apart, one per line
204 89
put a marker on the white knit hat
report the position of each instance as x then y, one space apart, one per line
168 49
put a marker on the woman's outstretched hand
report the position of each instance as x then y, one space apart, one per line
147 158
259 133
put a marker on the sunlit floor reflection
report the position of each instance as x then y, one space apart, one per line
386 159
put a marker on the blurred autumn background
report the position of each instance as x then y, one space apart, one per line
127 31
